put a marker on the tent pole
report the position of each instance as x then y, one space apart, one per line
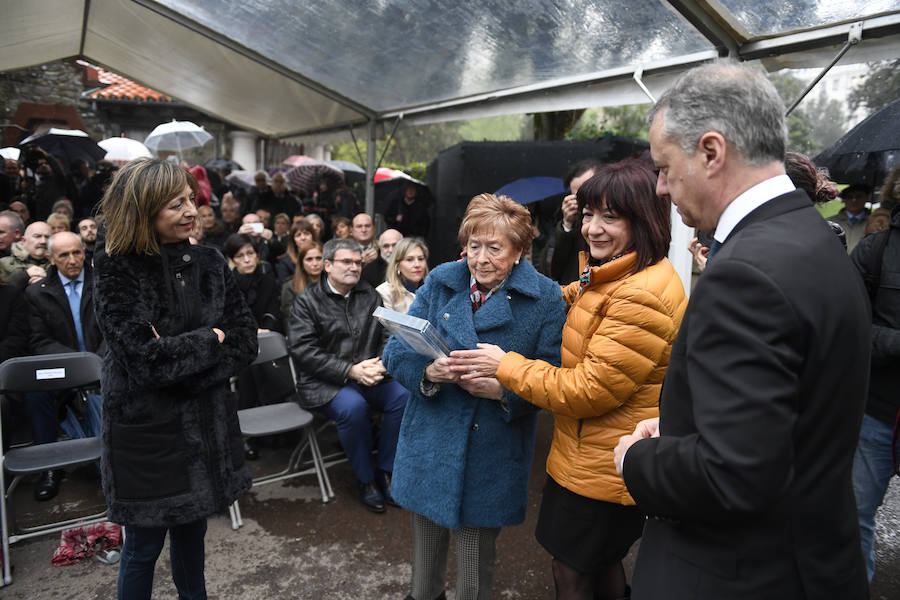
370 170
637 79
853 38
387 144
362 161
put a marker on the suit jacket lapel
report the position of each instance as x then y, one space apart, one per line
776 206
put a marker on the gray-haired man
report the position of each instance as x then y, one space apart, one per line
337 345
746 473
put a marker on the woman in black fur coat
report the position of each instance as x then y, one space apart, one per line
177 328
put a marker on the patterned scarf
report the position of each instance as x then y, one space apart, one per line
478 297
585 277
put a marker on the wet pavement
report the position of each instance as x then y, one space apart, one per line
294 546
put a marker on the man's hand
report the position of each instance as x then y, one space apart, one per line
368 372
570 211
645 429
35 273
219 334
368 255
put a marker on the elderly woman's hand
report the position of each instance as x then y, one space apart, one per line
440 372
472 364
483 387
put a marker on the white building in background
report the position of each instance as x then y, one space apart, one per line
837 85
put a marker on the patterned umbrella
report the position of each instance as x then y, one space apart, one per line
295 160
306 176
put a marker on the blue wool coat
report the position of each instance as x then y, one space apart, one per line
462 460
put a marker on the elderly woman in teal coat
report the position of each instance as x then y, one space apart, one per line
466 447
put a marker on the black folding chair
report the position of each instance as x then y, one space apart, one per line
282 417
45 373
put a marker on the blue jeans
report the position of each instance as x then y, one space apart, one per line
350 409
186 553
873 468
42 416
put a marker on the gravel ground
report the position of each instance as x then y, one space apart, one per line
293 546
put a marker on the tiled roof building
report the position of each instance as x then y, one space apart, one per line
117 87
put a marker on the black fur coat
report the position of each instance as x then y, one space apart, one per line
172 450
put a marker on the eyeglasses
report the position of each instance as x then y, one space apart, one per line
348 262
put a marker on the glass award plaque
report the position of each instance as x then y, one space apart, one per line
420 334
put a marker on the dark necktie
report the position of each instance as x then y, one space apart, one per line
713 248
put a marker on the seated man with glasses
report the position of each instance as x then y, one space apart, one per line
336 344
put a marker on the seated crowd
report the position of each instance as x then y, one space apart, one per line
275 243
737 474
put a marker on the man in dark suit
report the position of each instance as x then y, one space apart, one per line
746 474
61 319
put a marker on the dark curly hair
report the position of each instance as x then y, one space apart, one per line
806 176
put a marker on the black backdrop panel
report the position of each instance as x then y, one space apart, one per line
470 168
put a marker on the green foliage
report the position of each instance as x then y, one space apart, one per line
881 86
830 208
555 125
422 143
827 120
507 128
415 170
800 130
629 121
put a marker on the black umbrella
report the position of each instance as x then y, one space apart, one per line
67 145
867 152
224 164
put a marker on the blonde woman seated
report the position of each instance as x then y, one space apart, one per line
406 270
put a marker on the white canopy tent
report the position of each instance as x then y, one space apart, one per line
284 69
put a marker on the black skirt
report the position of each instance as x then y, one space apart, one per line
584 533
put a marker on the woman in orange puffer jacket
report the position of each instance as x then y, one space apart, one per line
624 314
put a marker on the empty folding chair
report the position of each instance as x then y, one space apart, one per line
272 419
45 373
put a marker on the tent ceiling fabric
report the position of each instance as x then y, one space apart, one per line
400 54
280 68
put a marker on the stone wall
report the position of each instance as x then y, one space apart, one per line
59 83
58 87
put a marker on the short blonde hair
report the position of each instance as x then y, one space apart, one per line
497 213
61 218
137 193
